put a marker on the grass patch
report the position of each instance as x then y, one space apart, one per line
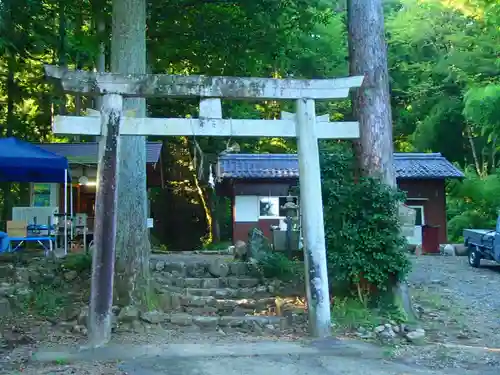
443 309
433 301
350 314
152 300
46 301
80 262
277 265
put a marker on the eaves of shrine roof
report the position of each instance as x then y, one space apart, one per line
282 166
87 153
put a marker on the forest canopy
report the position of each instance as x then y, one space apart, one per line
444 70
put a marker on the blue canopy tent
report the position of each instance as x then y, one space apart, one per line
24 162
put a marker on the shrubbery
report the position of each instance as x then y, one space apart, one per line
277 265
365 249
472 203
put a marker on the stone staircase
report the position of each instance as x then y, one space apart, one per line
214 291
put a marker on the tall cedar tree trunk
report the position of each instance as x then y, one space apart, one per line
100 64
62 50
371 103
128 55
78 58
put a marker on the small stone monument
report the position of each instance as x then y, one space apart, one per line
240 251
258 245
291 210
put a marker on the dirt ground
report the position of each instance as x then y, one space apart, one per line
460 311
459 307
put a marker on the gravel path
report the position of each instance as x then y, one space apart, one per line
450 287
460 310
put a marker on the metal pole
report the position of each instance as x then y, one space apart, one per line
71 209
65 212
318 296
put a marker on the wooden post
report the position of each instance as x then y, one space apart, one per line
318 296
103 259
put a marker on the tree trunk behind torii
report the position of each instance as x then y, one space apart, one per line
128 55
371 103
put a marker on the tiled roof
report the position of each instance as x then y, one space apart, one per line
420 165
407 165
87 153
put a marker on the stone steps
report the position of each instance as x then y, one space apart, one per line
248 322
213 267
219 292
258 292
209 283
228 292
208 305
226 303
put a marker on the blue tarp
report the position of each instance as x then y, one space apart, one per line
24 162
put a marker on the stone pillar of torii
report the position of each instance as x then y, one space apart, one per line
304 125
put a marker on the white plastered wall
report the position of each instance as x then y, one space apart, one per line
246 208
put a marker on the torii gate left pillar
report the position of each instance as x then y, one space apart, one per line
303 125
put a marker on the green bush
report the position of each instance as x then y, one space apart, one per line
277 265
80 262
365 248
472 203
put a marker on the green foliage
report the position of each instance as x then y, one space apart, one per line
472 203
350 314
80 262
364 244
271 264
482 106
277 265
51 295
46 300
439 51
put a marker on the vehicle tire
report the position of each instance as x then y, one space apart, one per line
474 257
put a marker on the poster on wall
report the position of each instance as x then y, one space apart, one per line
41 195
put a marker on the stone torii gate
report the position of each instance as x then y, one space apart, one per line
304 125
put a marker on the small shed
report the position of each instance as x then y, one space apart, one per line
82 159
259 183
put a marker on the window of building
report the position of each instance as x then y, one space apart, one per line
419 217
272 206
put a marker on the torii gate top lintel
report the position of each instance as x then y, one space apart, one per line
164 85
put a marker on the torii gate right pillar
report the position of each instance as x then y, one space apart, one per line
317 289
